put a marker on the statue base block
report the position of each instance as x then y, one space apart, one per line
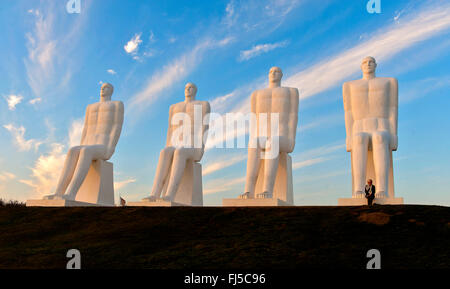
159 203
363 201
62 203
254 203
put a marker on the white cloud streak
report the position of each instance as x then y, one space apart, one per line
383 46
18 134
219 164
260 49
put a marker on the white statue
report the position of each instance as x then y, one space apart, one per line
266 104
175 157
371 115
101 132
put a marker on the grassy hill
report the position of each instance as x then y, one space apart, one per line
407 236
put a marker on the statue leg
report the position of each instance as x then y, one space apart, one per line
86 156
162 170
360 146
381 161
253 162
180 158
270 173
66 173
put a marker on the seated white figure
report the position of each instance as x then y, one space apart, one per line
271 176
371 119
101 132
184 147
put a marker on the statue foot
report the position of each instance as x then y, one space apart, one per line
359 195
167 199
245 195
68 197
149 199
380 195
52 197
264 195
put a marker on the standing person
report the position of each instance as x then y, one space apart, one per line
370 192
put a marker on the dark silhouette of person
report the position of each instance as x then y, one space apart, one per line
370 192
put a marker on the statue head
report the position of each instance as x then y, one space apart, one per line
106 91
190 90
368 65
275 75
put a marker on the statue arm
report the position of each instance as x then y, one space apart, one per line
86 121
206 109
393 114
253 134
116 129
348 115
169 131
293 118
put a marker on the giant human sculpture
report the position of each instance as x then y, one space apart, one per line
269 167
178 174
101 132
371 116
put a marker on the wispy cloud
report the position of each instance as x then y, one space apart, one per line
219 164
172 73
46 170
18 134
222 185
111 71
383 45
50 62
75 131
35 100
308 163
7 176
260 49
121 184
13 100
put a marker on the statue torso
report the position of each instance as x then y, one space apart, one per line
274 100
194 109
100 122
370 101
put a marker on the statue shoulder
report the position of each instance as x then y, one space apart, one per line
293 91
118 104
205 104
351 82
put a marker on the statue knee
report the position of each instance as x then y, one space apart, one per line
84 153
74 149
166 151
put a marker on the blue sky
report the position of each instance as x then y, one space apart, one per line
52 64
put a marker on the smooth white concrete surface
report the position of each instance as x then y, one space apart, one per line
178 175
272 138
61 203
157 203
98 186
86 176
268 202
371 121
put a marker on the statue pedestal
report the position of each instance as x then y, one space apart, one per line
268 202
157 203
282 191
189 193
96 190
363 201
59 203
